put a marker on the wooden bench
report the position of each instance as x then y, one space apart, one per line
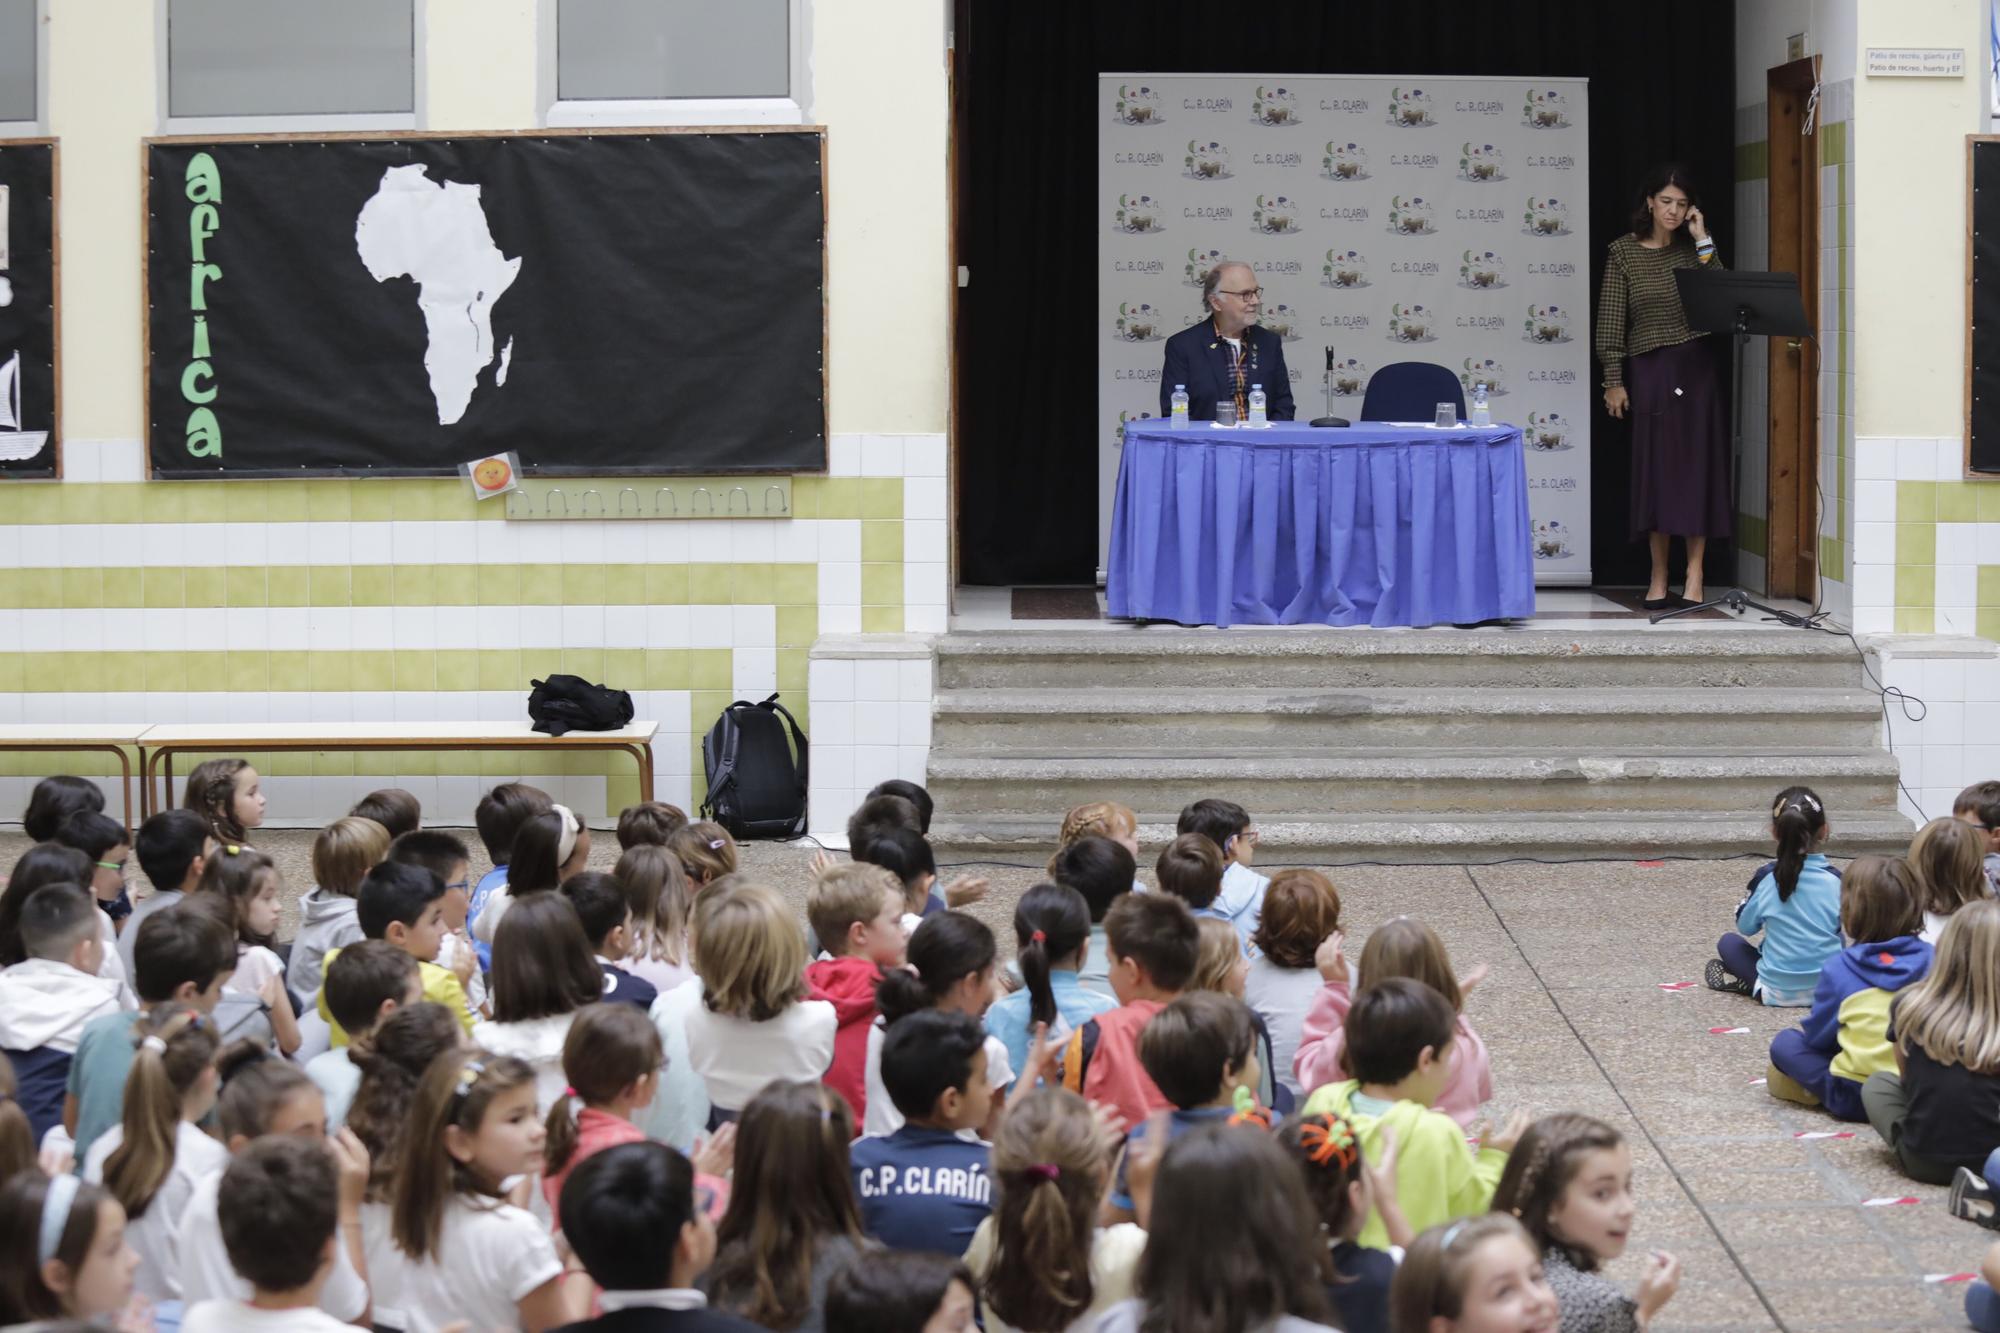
159 745
116 738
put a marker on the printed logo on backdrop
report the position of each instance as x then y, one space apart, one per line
1206 161
1274 215
1547 432
1344 162
1137 215
1412 324
1487 371
1137 105
1282 320
1546 109
1552 540
1480 270
1275 106
1482 162
1545 217
1411 108
1208 212
1151 159
1421 161
1546 324
1139 322
1126 416
1211 105
1489 106
1350 378
1345 268
1138 266
1200 263
1414 216
1346 323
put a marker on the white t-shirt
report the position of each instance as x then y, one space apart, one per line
736 1057
1933 927
475 987
882 1117
1114 1268
112 966
239 1317
489 1257
337 1079
539 1041
207 1275
388 1267
155 1237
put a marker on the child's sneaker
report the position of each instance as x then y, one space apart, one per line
1973 1199
1720 978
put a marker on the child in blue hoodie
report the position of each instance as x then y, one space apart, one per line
1795 900
1227 825
1825 1060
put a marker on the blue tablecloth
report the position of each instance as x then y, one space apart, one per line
1376 524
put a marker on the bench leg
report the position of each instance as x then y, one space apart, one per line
125 784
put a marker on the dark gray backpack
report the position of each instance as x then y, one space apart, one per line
756 788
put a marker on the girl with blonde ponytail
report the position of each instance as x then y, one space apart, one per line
152 1159
1042 1263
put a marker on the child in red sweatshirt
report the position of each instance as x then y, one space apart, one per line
856 910
1154 945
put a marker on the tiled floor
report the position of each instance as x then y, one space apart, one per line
1775 1231
989 608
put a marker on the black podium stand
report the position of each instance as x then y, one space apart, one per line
1745 304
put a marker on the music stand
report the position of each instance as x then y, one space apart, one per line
1743 304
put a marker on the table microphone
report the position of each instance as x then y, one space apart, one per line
1326 380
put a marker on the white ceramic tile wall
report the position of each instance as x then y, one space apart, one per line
1880 462
871 706
1956 740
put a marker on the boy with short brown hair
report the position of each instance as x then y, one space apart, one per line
1154 945
856 911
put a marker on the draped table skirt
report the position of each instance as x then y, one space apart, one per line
1377 524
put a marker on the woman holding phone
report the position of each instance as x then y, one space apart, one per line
1657 371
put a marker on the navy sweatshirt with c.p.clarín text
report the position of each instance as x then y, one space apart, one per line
922 1189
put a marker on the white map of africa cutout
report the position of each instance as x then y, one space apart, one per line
436 233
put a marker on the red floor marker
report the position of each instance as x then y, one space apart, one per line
1726 1032
1824 1134
1889 1201
1675 986
1759 1082
1949 1277
1649 865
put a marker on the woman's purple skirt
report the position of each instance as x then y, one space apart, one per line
1680 444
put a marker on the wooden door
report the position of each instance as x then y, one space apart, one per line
1792 476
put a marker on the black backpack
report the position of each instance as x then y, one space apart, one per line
756 789
571 703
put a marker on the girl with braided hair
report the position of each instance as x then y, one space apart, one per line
1344 1187
1569 1182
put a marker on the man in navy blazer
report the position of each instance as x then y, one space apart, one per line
1221 357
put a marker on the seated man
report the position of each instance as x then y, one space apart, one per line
1227 353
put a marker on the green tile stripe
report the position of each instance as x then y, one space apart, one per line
1753 161
339 500
1920 507
1751 534
1832 143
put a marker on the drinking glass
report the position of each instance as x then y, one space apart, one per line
1447 416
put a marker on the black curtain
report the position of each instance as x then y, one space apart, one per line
1662 86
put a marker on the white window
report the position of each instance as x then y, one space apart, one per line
23 56
275 65
674 62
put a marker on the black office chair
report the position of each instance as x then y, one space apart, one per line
1411 391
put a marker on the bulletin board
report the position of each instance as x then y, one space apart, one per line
30 341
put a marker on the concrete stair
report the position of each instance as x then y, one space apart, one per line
1421 745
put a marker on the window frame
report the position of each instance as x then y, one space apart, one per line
290 123
39 126
584 113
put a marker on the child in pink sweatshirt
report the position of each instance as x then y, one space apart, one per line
1403 947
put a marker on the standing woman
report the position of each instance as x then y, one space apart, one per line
1681 484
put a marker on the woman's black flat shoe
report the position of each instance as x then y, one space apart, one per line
1662 603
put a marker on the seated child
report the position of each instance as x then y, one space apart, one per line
1795 901
1227 825
1103 871
919 799
612 1058
925 1187
368 982
278 1202
1979 805
393 808
755 1022
607 923
53 863
1154 945
1052 930
1401 947
544 976
1097 819
83 1272
342 855
706 853
48 1001
1199 1051
550 846
170 846
498 817
1472 1275
1190 868
403 904
229 797
1399 1045
1221 968
247 880
1570 1182
901 1292
904 853
1301 910
1845 1038
108 847
180 961
54 800
1344 1189
856 911
952 965
445 855
656 890
1948 859
632 1219
648 824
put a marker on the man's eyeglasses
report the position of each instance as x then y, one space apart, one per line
1249 294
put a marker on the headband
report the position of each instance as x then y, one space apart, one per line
1450 1234
1803 801
566 840
468 1074
56 1205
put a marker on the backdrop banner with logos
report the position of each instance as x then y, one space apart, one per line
1391 219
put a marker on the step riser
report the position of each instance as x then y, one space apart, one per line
1055 734
1197 671
1424 798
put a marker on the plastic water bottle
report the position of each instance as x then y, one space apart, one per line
1482 413
1257 405
1180 405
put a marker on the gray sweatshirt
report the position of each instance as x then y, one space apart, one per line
326 922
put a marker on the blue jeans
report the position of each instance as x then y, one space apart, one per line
1841 1097
1739 955
1982 1308
1992 1169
